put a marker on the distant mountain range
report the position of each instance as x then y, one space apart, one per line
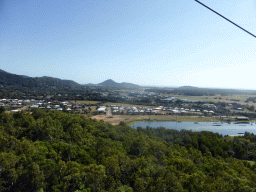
21 81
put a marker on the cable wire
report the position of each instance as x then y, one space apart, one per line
226 18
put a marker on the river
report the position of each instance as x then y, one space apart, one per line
216 127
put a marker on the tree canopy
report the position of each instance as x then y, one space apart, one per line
57 151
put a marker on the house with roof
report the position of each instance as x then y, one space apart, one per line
102 109
34 106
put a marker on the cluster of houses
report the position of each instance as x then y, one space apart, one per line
149 110
17 105
209 105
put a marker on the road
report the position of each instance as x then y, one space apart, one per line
109 112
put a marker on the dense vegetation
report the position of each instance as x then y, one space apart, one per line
17 81
57 151
253 99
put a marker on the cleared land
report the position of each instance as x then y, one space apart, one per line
130 119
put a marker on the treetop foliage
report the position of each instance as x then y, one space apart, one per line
57 151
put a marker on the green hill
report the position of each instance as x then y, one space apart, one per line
21 81
111 83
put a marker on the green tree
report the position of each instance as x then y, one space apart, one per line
2 109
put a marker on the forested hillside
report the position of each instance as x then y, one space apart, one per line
111 83
57 151
13 81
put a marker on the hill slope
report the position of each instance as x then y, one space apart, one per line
188 88
21 81
67 82
111 83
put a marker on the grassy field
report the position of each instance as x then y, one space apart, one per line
86 102
197 98
237 97
219 98
211 98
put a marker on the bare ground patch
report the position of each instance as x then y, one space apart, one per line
115 120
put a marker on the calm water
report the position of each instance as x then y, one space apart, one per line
221 128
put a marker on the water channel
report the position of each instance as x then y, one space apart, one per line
216 127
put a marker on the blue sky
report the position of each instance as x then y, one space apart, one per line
167 43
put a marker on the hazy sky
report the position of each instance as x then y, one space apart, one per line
163 42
